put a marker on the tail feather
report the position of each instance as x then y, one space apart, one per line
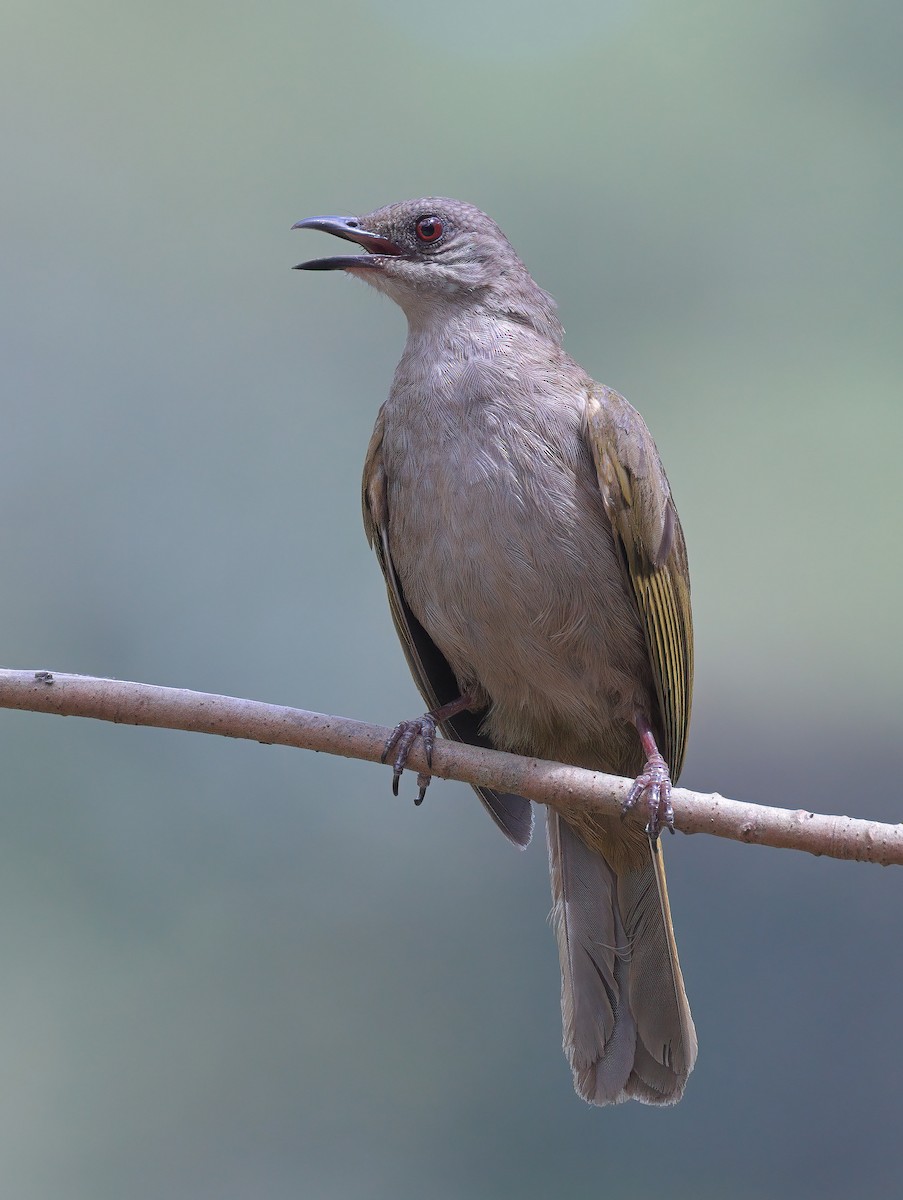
627 1025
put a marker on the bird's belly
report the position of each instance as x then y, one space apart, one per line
515 576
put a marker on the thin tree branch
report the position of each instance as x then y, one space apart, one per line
568 789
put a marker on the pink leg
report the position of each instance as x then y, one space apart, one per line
653 785
405 734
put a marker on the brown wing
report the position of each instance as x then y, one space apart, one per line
638 502
432 673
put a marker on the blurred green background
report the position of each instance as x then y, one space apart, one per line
233 971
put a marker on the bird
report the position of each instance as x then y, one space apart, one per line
537 577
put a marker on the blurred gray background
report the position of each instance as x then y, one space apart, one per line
233 971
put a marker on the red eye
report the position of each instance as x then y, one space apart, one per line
429 229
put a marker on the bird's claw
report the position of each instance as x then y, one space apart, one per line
653 785
399 743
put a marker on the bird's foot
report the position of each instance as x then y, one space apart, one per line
406 733
653 787
399 743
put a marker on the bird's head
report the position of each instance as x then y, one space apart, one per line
436 254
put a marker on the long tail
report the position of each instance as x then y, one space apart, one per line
628 1032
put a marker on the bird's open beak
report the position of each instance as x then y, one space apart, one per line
350 228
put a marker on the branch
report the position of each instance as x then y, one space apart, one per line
568 789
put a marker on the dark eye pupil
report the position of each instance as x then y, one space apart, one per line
429 229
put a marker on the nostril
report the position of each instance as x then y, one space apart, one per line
352 222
